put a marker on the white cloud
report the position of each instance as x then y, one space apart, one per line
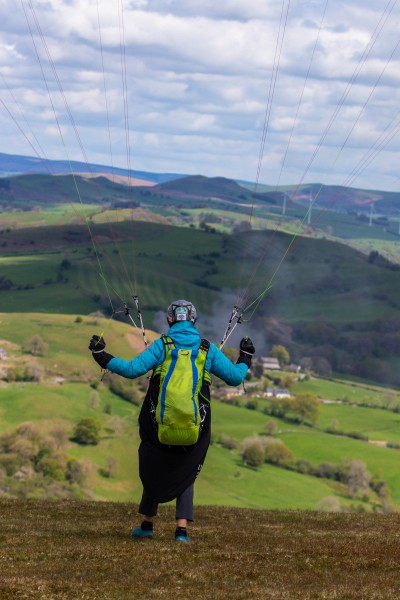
200 80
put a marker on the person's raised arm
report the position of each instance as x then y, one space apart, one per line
233 374
141 364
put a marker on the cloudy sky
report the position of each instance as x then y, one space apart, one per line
275 91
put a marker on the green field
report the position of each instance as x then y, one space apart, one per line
331 282
63 397
64 262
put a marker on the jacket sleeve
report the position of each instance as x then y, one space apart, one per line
223 368
141 364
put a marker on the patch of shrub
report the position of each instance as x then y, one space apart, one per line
393 445
253 453
276 452
10 463
87 431
124 390
252 404
228 442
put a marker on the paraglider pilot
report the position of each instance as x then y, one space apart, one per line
175 418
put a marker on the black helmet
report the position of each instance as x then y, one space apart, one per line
181 310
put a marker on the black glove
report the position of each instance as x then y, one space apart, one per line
97 345
246 351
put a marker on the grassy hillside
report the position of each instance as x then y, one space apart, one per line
77 550
337 212
328 279
323 295
27 191
344 300
68 389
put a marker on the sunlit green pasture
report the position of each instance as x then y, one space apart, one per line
375 424
318 447
68 339
350 392
49 215
225 480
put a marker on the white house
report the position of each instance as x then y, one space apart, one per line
277 393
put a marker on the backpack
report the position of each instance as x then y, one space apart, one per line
181 377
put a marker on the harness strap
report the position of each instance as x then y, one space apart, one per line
170 344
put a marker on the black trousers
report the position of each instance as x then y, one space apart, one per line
184 505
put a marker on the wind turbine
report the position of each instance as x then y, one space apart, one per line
284 204
309 210
371 214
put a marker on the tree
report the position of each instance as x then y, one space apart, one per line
359 478
252 404
108 408
270 427
307 407
307 364
253 453
29 430
34 372
228 442
281 406
87 431
37 346
329 504
111 468
116 424
51 466
322 366
24 448
60 436
276 452
288 381
281 354
77 471
94 399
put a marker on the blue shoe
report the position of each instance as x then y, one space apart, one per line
182 538
141 534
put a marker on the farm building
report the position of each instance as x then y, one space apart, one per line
269 363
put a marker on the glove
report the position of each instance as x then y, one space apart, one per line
246 351
97 345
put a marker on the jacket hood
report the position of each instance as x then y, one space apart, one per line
185 334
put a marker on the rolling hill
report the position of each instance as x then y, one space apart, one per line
44 396
12 165
346 307
64 261
19 173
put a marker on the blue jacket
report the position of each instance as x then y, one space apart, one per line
185 335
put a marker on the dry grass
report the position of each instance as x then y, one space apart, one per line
78 550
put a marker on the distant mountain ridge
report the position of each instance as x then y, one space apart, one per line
181 186
199 186
12 165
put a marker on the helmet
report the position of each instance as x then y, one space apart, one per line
181 310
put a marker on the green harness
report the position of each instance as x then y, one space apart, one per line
181 377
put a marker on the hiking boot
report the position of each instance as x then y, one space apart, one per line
181 535
144 531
